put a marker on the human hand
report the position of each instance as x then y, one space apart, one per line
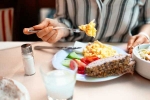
136 40
46 31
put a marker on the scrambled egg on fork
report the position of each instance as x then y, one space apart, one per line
99 49
89 29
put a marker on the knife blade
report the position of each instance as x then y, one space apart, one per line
48 47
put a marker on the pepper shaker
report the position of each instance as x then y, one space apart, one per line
28 59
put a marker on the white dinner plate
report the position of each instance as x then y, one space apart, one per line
62 54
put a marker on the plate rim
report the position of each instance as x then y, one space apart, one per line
22 88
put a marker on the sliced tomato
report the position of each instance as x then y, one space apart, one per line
89 59
81 72
81 66
72 64
84 60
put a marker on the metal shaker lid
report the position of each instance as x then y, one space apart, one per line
26 48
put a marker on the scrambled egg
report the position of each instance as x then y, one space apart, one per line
99 49
89 29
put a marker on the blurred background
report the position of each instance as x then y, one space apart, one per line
18 14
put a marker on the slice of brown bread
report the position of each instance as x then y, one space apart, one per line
9 90
115 65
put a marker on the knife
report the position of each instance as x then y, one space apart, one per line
48 47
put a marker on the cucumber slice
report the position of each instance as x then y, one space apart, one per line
66 62
67 58
73 55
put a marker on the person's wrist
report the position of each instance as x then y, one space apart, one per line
66 33
145 34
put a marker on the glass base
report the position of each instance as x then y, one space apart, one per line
50 98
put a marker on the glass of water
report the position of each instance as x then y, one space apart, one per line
59 83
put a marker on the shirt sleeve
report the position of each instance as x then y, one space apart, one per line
62 16
61 13
146 12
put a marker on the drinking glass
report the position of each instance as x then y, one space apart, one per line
59 83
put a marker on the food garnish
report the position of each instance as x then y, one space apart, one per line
89 59
73 55
66 62
99 49
81 66
89 29
82 62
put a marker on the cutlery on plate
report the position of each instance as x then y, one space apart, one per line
48 47
71 29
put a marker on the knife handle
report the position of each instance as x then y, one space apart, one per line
48 47
42 47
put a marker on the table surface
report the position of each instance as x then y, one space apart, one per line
126 87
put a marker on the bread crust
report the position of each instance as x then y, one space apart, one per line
115 65
9 90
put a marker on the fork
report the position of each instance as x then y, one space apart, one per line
71 29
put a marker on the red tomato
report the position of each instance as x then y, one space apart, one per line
89 59
81 72
81 66
72 64
84 60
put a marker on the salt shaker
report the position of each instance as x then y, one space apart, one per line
28 59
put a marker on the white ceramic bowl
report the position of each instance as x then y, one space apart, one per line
142 66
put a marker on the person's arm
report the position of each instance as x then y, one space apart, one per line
62 14
46 31
144 32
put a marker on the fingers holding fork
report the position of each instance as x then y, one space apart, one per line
31 30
